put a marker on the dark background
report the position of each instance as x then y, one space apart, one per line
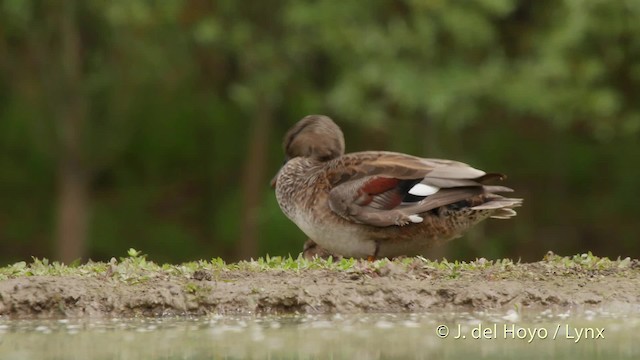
157 124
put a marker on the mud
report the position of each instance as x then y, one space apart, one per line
390 287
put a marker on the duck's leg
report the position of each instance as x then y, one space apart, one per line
372 258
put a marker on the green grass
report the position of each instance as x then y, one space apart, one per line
136 268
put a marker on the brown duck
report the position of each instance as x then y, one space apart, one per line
375 203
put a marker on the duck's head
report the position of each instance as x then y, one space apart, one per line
316 137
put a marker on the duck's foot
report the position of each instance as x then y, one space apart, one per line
311 250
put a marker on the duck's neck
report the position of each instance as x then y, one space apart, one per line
299 179
301 168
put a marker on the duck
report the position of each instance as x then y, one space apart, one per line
379 204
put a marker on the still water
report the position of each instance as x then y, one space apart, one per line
570 334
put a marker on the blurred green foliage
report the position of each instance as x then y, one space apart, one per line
174 93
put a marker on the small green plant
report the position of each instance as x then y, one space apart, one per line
134 253
191 288
135 268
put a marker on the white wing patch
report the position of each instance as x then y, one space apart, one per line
423 190
415 219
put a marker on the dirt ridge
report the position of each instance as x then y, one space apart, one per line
390 288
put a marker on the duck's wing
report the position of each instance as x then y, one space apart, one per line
386 188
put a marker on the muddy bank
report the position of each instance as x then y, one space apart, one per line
383 286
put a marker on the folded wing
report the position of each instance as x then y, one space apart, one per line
392 189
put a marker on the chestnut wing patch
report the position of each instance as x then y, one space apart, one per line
384 193
373 201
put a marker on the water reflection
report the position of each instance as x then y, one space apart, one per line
531 334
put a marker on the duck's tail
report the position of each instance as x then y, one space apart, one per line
502 206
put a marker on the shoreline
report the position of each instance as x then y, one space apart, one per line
137 287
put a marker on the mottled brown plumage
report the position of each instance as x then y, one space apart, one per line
377 203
